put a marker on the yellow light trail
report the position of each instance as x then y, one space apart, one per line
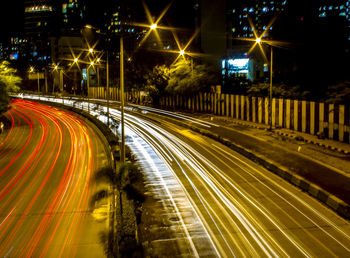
246 210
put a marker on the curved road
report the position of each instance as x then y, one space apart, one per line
245 210
47 161
220 203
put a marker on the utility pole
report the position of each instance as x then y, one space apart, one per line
38 73
122 148
88 86
270 102
46 89
107 75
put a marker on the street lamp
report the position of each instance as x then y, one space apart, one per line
258 41
122 149
153 26
32 70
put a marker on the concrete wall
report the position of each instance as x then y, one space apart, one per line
298 115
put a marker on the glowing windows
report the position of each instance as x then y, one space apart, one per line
35 9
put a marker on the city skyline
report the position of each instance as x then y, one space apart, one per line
221 26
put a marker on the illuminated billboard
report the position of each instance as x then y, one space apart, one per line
14 56
235 66
238 65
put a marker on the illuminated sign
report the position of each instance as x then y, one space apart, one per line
14 56
36 9
84 72
238 65
35 76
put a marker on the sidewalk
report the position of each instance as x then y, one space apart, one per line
319 167
332 153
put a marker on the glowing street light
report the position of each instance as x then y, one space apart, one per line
259 41
153 26
91 50
76 60
182 52
32 70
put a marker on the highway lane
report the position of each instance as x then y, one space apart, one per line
47 161
245 209
221 203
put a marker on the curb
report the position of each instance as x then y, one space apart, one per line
314 142
331 201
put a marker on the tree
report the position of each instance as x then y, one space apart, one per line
8 83
4 103
157 82
188 78
8 77
279 90
339 93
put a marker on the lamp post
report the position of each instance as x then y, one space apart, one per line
38 75
259 42
32 70
122 149
107 85
91 51
270 102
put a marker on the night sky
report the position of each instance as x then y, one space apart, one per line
11 17
11 13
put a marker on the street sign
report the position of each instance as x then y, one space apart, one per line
34 76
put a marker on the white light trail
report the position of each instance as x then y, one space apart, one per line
218 199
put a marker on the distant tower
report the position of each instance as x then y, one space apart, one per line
213 30
38 18
261 12
73 16
336 9
39 23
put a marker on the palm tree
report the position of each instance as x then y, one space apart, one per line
124 182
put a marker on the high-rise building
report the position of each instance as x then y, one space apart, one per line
336 9
260 12
39 16
73 16
45 21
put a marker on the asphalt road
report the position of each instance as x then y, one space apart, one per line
220 203
47 161
245 210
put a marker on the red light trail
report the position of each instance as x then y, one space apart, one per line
47 161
